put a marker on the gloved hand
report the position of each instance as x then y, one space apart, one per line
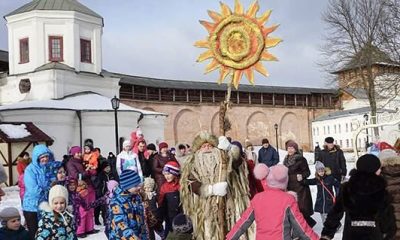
219 189
223 143
325 238
299 177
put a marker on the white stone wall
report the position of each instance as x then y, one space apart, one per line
63 127
39 25
340 129
54 84
344 137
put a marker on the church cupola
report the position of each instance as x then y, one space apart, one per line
60 31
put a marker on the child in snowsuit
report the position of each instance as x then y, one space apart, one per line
111 186
153 218
74 200
182 228
169 200
126 209
61 176
11 225
325 183
55 222
90 158
85 189
100 185
275 211
22 162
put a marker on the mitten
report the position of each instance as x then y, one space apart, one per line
219 189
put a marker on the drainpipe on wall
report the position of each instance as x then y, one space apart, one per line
78 114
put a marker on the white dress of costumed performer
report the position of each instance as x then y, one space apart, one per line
214 186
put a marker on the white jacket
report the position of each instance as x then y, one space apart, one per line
128 160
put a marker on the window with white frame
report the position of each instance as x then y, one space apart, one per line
347 127
347 143
340 128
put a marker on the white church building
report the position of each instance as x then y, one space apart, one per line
56 81
355 114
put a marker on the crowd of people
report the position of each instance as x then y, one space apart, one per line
215 189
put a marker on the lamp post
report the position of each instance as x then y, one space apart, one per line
115 105
276 135
366 130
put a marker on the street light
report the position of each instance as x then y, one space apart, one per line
366 130
276 135
115 105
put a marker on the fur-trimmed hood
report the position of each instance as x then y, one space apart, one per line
45 207
204 137
335 148
390 161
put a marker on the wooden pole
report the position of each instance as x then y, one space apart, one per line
10 165
224 108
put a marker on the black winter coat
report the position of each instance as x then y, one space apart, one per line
324 201
334 159
145 164
20 234
170 207
303 191
100 183
365 200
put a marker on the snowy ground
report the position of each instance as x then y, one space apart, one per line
12 196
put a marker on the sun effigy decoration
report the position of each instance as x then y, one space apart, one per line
237 42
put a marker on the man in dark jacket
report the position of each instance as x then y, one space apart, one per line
144 162
267 154
333 158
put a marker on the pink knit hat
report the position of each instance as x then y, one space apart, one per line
75 149
278 177
261 171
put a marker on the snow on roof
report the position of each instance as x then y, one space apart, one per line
84 101
15 131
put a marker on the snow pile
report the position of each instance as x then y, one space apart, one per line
15 131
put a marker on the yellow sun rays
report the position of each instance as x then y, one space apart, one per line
238 42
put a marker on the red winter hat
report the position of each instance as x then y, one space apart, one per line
384 145
172 167
162 145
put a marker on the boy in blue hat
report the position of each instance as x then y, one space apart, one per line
126 209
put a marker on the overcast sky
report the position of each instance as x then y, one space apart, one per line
154 38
